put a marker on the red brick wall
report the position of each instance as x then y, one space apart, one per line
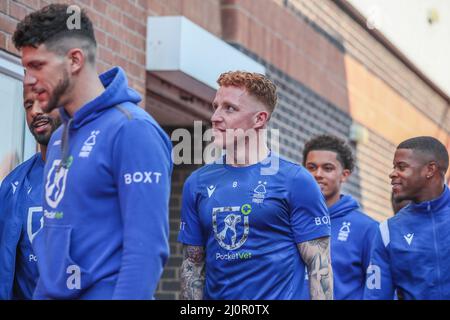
120 29
205 13
268 29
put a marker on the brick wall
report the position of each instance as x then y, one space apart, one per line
373 55
169 286
205 13
271 31
120 30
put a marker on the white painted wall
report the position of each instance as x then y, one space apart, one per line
405 24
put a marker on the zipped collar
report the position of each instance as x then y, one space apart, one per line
433 205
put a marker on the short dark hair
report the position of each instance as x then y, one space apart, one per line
334 144
49 26
428 146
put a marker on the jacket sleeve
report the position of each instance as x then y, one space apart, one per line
190 225
379 284
4 188
368 243
309 213
142 170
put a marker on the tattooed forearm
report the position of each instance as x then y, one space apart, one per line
316 254
193 273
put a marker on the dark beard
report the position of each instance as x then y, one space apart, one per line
44 138
60 89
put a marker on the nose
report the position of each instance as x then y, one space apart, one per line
317 174
393 174
35 109
29 79
216 116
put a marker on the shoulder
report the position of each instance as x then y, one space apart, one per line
21 169
205 173
363 219
402 217
294 172
131 120
391 224
12 180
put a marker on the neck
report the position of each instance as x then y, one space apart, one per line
430 193
248 153
333 199
88 87
43 149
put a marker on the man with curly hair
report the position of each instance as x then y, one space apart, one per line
107 176
330 161
248 232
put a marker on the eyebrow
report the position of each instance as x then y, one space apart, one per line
323 164
28 101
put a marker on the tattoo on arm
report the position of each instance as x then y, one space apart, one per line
193 273
316 255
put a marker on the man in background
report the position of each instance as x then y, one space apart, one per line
331 162
410 253
21 197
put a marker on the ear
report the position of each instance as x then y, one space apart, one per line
432 169
77 59
261 119
345 174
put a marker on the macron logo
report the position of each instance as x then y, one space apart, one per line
409 238
14 186
211 190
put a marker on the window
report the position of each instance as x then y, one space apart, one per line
16 142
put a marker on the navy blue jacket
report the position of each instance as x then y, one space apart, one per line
411 253
11 223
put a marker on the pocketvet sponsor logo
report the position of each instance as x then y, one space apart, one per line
53 215
234 256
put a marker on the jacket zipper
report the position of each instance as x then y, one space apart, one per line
436 252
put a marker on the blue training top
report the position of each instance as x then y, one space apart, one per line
250 224
20 220
107 187
411 253
27 273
